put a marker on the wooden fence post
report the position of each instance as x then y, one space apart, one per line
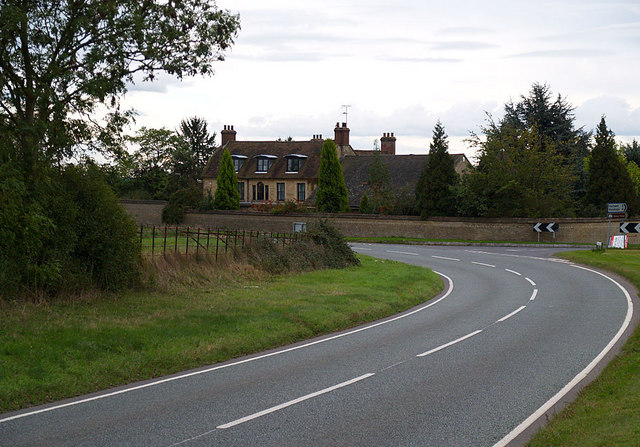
164 245
187 248
217 242
153 240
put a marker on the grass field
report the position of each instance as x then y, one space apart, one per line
49 351
607 412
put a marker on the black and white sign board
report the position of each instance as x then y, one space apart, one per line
630 227
541 227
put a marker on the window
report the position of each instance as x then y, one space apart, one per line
254 192
260 191
293 164
301 191
237 163
241 190
264 162
280 191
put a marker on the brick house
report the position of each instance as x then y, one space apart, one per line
277 171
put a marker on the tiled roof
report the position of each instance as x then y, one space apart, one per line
405 172
309 166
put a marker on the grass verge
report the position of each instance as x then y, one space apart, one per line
416 240
205 315
607 412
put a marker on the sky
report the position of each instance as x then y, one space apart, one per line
402 65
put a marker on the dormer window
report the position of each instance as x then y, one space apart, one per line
264 162
294 162
238 161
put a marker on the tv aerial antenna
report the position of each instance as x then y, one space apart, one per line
346 112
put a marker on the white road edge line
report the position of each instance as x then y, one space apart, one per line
533 295
482 263
458 340
506 317
402 252
293 402
445 258
530 281
240 362
581 375
514 272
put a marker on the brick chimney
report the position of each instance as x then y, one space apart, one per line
341 135
228 134
388 144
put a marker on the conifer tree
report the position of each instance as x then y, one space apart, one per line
608 180
380 184
434 191
331 195
227 196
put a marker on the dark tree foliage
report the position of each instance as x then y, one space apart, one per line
200 142
609 179
435 189
631 152
519 175
554 121
60 60
227 196
331 195
379 182
364 207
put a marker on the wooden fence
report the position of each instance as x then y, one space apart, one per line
161 241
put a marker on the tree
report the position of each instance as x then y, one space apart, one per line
59 61
631 151
519 174
331 195
608 178
199 141
554 121
435 188
379 182
60 64
227 196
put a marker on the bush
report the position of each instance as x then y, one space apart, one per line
338 254
322 247
64 231
106 252
180 201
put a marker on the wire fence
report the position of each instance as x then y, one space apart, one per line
163 241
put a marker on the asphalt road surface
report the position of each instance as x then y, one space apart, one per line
509 338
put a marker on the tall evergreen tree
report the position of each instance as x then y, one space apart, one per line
434 191
200 142
608 179
227 196
380 185
331 195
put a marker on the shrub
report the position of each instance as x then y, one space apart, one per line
64 231
322 247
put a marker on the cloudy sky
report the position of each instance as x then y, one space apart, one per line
403 64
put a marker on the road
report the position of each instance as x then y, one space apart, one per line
511 335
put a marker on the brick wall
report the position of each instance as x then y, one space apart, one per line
587 231
145 212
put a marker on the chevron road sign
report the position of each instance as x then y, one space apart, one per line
630 227
544 226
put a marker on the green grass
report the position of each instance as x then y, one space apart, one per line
50 351
409 240
607 412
